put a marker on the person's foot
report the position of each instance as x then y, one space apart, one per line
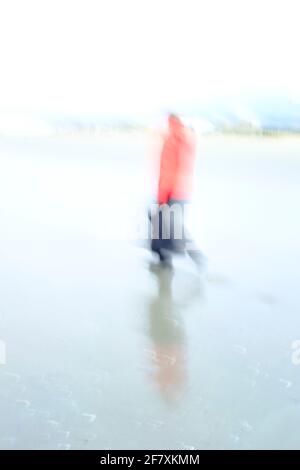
198 258
165 259
166 263
161 267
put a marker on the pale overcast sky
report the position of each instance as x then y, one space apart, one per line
107 56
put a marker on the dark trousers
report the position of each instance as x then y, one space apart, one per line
169 235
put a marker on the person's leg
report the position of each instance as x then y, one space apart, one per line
190 246
193 251
176 228
159 244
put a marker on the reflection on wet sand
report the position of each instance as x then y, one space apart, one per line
168 337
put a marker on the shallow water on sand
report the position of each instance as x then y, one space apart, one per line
103 349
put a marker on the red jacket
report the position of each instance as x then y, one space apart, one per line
176 166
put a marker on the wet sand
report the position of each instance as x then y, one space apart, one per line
104 350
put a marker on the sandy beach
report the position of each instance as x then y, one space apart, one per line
105 351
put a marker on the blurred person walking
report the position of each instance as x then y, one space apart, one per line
177 160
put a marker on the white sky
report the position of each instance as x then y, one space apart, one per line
105 56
